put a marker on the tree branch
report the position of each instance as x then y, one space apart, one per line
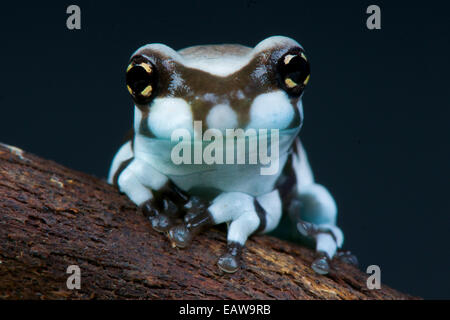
52 217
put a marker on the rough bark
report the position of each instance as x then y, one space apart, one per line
52 217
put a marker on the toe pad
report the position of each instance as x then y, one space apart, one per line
228 263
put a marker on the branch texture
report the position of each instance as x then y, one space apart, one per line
52 217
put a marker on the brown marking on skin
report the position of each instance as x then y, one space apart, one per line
202 83
200 110
297 120
286 181
243 117
261 215
129 136
197 83
119 170
143 126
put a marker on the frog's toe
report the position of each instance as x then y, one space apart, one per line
160 223
180 236
321 264
195 208
306 229
190 216
230 261
347 257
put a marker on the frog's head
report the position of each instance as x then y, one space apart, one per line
224 86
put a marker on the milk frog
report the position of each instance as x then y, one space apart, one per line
223 87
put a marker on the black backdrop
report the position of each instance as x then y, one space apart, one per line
376 110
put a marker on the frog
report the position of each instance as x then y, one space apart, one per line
222 87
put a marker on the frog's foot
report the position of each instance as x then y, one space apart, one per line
196 219
165 206
161 213
244 215
194 208
240 228
347 257
230 261
321 264
328 239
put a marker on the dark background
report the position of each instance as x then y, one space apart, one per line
376 110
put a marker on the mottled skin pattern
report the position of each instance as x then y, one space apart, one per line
224 87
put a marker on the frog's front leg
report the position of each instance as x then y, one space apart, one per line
244 214
314 211
149 189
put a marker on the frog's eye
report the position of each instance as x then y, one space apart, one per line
293 71
141 79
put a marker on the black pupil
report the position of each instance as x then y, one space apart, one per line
138 78
297 70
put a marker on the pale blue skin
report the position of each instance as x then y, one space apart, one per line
312 209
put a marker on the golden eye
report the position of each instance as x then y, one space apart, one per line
140 79
293 71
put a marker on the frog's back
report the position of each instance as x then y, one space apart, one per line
220 60
215 51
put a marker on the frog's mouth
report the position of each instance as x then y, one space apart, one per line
211 134
185 155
